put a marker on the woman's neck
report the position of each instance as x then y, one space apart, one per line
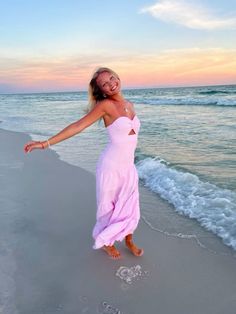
117 97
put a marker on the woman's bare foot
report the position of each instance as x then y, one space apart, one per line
132 247
112 251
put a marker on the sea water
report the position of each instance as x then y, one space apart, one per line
186 151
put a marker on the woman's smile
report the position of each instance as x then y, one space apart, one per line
114 87
108 83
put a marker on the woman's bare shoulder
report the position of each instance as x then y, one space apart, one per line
106 105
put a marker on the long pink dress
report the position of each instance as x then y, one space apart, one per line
117 193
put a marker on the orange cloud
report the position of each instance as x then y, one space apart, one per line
177 67
183 67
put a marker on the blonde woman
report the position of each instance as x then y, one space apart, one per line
117 194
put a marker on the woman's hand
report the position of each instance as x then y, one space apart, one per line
33 145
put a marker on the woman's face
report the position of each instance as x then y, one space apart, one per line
108 83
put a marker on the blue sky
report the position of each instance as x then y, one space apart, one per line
55 45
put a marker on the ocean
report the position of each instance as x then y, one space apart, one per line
186 151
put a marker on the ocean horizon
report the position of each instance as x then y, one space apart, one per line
123 89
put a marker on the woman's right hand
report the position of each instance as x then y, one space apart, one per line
28 147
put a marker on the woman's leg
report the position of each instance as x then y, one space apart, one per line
132 247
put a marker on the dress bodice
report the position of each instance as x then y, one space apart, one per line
121 146
120 128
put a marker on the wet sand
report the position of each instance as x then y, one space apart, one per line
48 210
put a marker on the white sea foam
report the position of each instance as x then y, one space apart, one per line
213 207
129 273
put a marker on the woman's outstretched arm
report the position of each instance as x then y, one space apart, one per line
72 129
78 126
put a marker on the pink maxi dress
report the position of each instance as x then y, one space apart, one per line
117 193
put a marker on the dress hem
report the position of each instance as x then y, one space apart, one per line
100 244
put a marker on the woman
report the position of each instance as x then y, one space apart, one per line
117 192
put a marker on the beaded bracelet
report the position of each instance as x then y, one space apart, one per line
43 146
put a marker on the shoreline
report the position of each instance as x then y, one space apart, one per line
52 210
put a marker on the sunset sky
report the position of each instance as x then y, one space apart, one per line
55 45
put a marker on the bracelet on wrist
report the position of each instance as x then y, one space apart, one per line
43 147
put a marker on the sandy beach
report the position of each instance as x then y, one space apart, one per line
48 266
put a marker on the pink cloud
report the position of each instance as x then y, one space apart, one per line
177 67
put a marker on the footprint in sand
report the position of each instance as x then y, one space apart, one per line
84 305
106 308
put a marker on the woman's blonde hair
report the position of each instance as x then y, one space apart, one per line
94 92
